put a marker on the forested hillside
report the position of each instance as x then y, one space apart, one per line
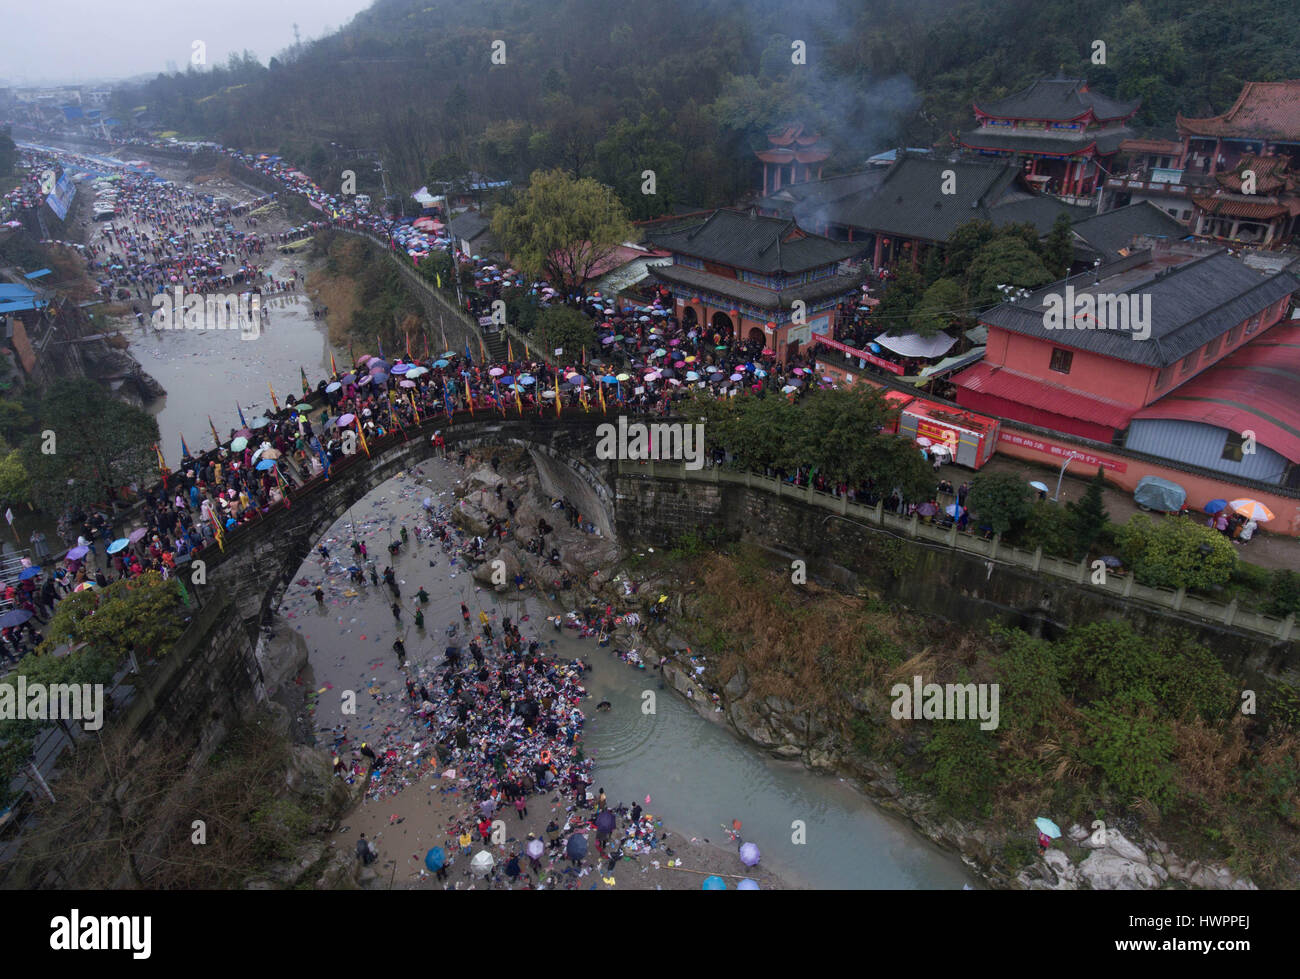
689 87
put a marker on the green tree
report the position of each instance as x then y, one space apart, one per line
143 613
1058 248
1177 552
963 244
938 308
1089 514
1000 500
1006 260
1132 752
99 443
901 296
561 228
894 463
15 484
564 328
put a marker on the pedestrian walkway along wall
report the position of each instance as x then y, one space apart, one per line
958 577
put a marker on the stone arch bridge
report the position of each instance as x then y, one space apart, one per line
261 558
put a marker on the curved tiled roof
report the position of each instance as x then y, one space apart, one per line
1057 100
1263 110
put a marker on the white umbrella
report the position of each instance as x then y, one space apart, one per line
482 863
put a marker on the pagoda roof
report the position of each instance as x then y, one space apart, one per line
1057 100
1271 174
1263 110
746 240
1251 210
1101 143
752 295
910 203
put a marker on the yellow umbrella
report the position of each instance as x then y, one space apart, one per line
1252 509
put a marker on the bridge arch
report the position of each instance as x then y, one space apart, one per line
261 559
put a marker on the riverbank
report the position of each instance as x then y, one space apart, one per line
780 714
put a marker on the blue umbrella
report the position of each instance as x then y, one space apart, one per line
954 510
379 377
714 883
577 847
527 379
402 368
15 616
609 379
1047 827
1215 506
440 363
435 858
118 545
332 386
266 464
747 885
605 820
749 854
29 573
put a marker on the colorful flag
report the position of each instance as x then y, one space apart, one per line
510 352
362 435
306 391
426 343
468 395
162 463
275 403
481 351
242 423
185 449
411 394
333 367
557 394
216 526
519 401
444 339
380 341
603 409
216 439
468 356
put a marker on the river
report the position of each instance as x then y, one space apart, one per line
698 774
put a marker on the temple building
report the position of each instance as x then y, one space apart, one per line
1257 203
1064 135
738 274
1186 374
793 157
1265 120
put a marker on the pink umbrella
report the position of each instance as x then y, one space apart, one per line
406 384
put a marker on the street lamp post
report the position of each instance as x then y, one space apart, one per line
1061 475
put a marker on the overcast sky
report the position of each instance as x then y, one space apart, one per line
47 41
